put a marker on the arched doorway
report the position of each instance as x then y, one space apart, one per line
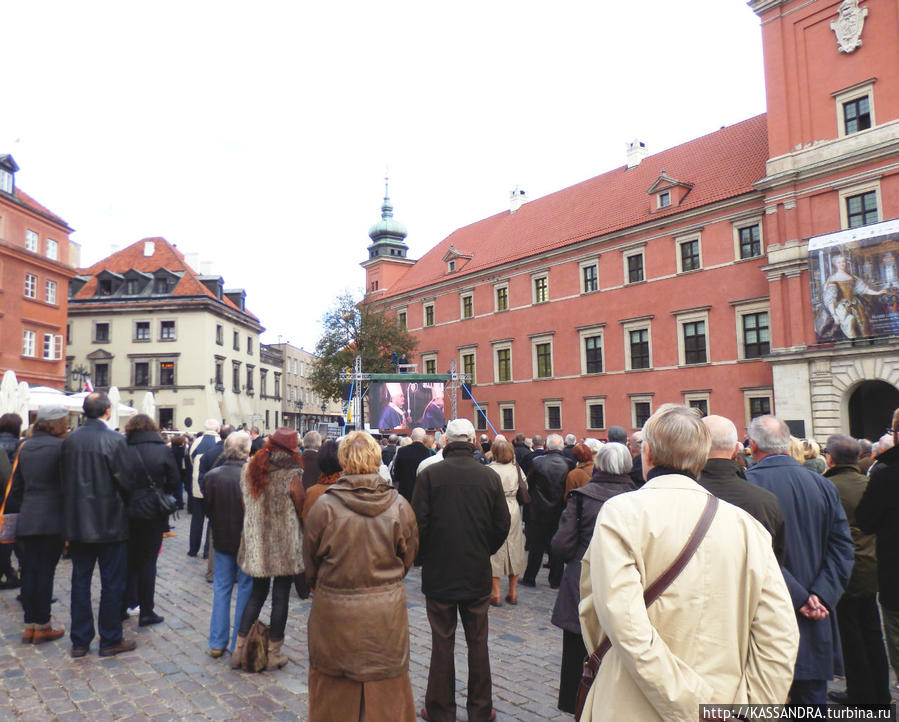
871 409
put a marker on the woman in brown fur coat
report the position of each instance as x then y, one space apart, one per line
271 544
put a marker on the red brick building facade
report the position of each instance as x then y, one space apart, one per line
683 276
35 268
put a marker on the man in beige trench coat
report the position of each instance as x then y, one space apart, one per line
723 632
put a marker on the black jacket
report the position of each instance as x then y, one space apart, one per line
725 479
9 444
211 459
405 464
878 513
463 519
152 459
573 537
96 484
182 462
546 483
37 487
311 472
387 454
223 503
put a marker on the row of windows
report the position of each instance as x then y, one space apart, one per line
235 339
757 403
755 342
248 377
51 345
32 287
135 286
33 242
142 331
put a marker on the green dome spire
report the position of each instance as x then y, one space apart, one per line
387 230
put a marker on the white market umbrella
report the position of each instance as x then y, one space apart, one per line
20 402
40 396
148 405
7 389
123 409
115 400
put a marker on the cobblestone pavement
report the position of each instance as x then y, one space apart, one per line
170 677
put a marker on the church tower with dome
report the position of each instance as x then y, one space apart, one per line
387 260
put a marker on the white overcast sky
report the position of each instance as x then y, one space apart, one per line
256 135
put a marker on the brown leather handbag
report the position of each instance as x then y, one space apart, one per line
653 592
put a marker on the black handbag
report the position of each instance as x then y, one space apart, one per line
150 502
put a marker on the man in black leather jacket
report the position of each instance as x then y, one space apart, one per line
546 483
96 487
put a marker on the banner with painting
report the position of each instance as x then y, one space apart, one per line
855 282
400 407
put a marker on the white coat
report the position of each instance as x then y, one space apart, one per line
724 631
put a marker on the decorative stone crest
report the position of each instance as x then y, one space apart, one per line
848 25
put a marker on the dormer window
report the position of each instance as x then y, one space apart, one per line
451 266
5 181
669 192
664 199
104 287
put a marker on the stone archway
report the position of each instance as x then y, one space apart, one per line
871 407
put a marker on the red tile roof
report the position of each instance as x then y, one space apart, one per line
28 201
720 165
165 255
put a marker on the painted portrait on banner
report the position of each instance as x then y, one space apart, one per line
855 282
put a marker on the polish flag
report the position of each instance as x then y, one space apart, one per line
88 386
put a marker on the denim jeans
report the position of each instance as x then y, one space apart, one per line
113 559
222 583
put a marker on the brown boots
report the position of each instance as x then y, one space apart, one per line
276 660
240 650
39 633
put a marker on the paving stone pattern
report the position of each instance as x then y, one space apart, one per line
170 677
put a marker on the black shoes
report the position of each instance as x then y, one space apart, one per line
150 619
527 582
78 652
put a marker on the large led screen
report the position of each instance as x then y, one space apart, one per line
400 407
855 283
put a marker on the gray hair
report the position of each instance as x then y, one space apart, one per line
615 458
312 440
593 444
555 442
570 439
237 445
843 449
418 434
770 434
723 431
865 447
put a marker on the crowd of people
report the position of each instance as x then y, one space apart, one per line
691 567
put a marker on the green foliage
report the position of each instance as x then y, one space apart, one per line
350 330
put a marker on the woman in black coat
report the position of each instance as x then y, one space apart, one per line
180 448
610 477
10 426
151 460
37 493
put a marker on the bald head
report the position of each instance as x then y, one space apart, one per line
724 437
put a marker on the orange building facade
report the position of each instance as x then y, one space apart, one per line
684 276
36 264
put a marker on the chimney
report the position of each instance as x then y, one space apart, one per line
517 198
636 152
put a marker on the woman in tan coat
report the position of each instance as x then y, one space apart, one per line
360 539
510 560
271 543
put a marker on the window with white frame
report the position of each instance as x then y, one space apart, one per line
552 415
52 249
501 297
748 239
466 302
596 413
692 337
591 350
429 363
540 288
589 276
167 331
507 416
31 241
141 330
633 266
638 343
664 199
468 358
860 205
641 410
502 362
689 254
480 417
542 356
28 340
855 108
697 400
757 402
753 327
401 319
30 285
428 310
50 291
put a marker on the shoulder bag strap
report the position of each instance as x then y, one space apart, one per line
150 481
654 591
12 473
